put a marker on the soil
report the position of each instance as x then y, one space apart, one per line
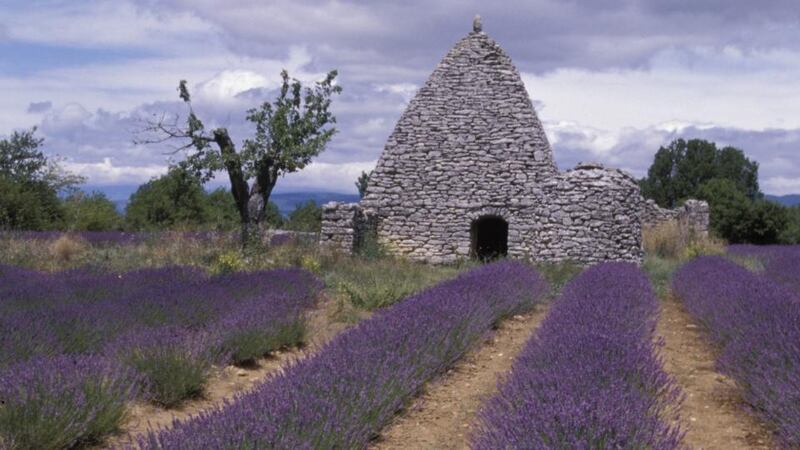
443 416
712 413
229 381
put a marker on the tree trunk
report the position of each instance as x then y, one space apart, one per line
239 188
266 180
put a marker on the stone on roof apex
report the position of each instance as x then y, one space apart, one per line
588 165
477 24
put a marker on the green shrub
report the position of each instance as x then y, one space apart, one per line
228 262
173 370
91 212
660 271
558 274
247 345
305 217
371 284
174 200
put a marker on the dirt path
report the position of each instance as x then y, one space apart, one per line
442 417
231 380
712 413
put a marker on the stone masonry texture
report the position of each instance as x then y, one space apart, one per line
470 145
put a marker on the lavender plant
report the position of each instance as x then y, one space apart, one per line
174 363
167 327
590 377
62 402
342 396
781 262
756 323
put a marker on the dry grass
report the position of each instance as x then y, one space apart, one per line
67 248
671 241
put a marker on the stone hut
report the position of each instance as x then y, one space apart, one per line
468 172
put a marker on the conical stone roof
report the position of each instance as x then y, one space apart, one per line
469 136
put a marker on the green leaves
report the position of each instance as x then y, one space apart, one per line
726 178
737 218
362 182
289 132
680 168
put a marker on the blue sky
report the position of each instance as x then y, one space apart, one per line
612 80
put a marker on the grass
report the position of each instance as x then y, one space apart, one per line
171 376
660 271
247 345
377 283
667 246
558 274
670 240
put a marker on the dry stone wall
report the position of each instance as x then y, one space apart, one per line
470 145
344 226
693 215
652 214
595 216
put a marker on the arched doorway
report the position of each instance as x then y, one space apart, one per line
489 237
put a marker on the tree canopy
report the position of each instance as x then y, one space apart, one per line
30 183
91 212
727 180
174 200
680 168
289 132
362 182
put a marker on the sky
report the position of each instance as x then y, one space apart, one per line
611 80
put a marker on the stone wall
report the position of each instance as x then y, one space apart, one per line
344 226
470 145
594 215
693 215
652 214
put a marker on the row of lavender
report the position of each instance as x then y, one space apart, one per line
756 323
76 346
590 377
781 262
344 395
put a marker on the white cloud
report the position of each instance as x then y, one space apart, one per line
103 24
615 88
106 172
405 90
782 185
674 91
331 177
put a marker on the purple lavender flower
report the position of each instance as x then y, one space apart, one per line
174 363
756 323
589 378
165 325
344 395
62 401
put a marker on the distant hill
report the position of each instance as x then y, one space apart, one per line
286 201
786 200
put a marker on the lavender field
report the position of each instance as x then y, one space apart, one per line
755 321
780 262
590 377
343 396
80 346
75 346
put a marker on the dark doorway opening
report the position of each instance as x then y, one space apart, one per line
489 238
